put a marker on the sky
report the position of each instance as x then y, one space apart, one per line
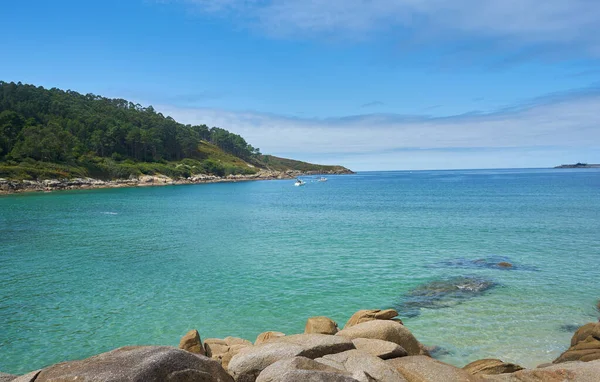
368 84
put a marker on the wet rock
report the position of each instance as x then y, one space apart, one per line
493 262
320 325
191 342
504 264
370 315
363 366
435 351
267 336
384 330
302 369
426 369
585 345
443 294
491 367
379 348
136 364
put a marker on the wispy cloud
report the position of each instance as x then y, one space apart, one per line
553 24
371 104
569 120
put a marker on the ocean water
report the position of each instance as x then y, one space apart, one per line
82 272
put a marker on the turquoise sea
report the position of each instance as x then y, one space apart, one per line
82 272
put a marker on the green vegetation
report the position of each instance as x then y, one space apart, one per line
46 134
54 133
283 164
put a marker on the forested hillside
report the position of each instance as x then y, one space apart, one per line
55 133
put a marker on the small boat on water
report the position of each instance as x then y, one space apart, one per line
299 182
322 179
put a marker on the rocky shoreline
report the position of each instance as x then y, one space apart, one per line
49 185
373 346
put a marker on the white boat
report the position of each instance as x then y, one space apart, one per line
322 179
299 182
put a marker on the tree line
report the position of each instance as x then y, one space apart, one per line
53 125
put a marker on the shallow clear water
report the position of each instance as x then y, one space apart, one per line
83 272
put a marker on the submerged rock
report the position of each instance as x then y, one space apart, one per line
443 294
493 262
569 328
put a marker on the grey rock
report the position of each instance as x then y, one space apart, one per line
303 369
363 366
136 364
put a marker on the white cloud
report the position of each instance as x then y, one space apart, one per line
568 23
568 123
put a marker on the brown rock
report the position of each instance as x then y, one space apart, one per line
568 371
491 366
224 350
379 348
136 364
317 345
191 342
591 329
320 325
504 265
384 330
267 336
302 369
426 369
585 345
363 366
370 315
248 363
7 377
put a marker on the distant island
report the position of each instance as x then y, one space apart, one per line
50 135
579 165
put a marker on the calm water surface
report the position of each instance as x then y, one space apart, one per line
83 272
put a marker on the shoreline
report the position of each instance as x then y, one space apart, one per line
10 187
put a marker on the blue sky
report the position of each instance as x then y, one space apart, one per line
373 85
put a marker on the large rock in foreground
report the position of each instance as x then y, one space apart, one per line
136 364
426 369
302 369
384 330
7 377
568 371
491 366
585 345
370 315
363 366
250 362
